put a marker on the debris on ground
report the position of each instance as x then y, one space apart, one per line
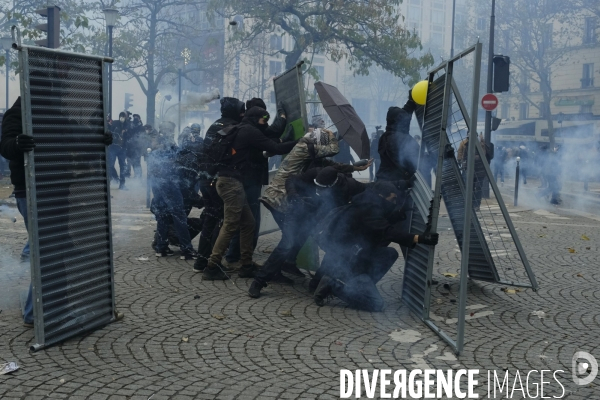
579 276
218 316
286 313
539 314
510 291
7 368
449 274
196 297
584 237
142 259
185 339
571 250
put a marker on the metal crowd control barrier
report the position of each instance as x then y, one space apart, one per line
490 252
68 194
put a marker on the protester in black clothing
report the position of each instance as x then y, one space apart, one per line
398 150
498 164
376 136
168 203
134 146
232 112
257 176
237 213
525 162
355 239
310 197
117 151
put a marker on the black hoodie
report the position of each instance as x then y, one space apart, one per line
250 138
11 128
398 150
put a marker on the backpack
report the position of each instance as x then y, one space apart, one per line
220 151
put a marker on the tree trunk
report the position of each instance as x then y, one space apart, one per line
152 85
548 115
292 59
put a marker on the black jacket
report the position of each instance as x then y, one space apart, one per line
322 201
259 163
398 150
11 128
249 138
364 224
121 132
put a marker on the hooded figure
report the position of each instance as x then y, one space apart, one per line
315 144
355 239
118 151
232 112
398 150
237 213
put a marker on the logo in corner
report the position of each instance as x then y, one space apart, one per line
581 368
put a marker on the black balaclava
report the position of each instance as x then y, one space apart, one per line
254 114
232 108
398 120
255 102
384 189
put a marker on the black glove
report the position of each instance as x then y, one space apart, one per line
288 136
281 108
430 239
25 143
108 138
410 95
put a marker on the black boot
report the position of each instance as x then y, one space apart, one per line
323 291
248 270
280 278
214 273
255 289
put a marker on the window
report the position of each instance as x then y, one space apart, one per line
320 71
481 24
523 110
589 32
587 78
276 42
414 13
504 111
275 68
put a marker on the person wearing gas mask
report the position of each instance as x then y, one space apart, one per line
249 136
232 112
310 197
117 151
355 239
258 175
398 150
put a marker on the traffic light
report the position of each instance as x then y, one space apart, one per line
52 27
501 74
128 101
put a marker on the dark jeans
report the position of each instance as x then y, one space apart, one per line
499 170
252 195
355 276
297 227
135 161
169 208
116 153
212 215
28 312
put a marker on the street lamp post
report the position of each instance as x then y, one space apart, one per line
110 15
490 72
6 45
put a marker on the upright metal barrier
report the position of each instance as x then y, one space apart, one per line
489 245
68 192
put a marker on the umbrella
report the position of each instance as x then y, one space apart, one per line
349 125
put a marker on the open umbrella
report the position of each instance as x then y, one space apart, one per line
349 125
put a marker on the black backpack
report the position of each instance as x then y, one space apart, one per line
220 151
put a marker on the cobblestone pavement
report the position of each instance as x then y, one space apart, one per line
282 346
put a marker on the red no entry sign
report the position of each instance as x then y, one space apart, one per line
489 102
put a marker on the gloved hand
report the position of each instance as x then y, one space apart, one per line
108 138
281 109
430 239
25 143
288 136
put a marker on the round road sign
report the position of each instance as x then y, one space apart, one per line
489 102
